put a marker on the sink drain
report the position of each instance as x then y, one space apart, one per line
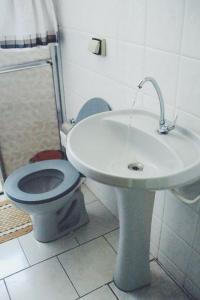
137 166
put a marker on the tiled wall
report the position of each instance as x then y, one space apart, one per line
159 38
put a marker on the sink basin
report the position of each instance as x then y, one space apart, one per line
102 147
135 161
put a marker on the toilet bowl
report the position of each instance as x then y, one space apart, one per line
49 190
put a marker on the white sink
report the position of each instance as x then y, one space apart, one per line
100 148
103 146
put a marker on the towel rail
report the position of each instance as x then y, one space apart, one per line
24 66
184 199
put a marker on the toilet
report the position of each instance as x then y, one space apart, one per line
50 190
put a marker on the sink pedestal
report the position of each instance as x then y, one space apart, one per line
135 214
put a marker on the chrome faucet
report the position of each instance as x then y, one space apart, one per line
164 127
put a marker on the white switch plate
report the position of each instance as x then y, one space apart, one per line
97 46
94 46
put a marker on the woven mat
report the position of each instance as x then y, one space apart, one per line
13 222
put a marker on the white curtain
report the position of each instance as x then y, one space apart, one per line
27 23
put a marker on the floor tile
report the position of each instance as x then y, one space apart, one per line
12 258
90 265
36 251
101 222
103 293
113 236
192 288
161 288
89 197
46 280
3 291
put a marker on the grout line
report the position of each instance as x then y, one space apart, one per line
96 289
106 76
76 239
162 222
7 289
68 276
109 244
97 237
180 238
113 292
60 253
191 250
39 262
188 113
24 252
173 279
96 200
132 42
179 60
152 259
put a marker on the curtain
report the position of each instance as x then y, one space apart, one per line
27 23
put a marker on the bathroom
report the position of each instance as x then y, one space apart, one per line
143 38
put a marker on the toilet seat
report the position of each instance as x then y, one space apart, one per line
70 178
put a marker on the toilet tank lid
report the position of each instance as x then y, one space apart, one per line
93 106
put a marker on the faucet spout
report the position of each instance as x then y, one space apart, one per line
164 128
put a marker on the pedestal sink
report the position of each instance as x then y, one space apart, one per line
136 161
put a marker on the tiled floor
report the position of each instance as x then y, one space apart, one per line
79 266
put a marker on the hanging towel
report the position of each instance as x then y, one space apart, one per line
27 23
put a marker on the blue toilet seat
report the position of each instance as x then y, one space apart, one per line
65 175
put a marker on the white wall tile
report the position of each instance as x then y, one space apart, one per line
160 27
174 248
89 197
191 42
75 50
151 103
173 270
100 17
90 84
131 21
164 24
74 46
129 63
106 194
70 13
156 226
159 203
193 268
74 102
196 244
163 67
189 86
189 121
180 218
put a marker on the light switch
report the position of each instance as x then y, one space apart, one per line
94 46
97 46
